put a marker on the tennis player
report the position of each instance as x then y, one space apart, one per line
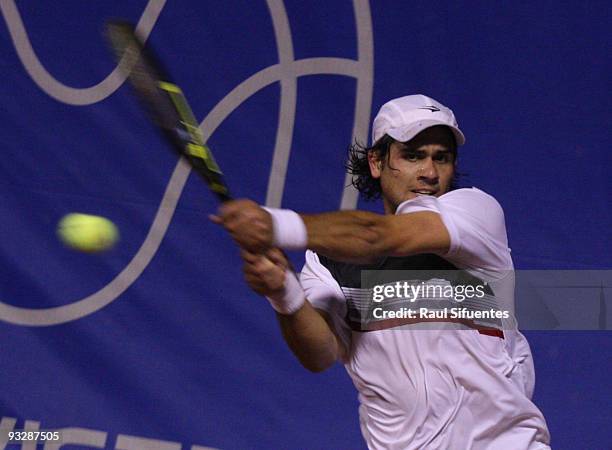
423 383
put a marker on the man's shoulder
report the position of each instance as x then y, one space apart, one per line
478 223
471 201
476 203
471 195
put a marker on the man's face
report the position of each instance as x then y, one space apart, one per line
423 165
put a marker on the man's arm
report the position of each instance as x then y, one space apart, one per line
351 236
307 331
309 336
359 236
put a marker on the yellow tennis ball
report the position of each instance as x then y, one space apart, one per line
87 233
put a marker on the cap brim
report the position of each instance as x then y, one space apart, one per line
405 133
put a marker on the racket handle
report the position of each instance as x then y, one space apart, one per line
224 197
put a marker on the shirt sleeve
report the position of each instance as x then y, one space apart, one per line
476 225
322 290
324 293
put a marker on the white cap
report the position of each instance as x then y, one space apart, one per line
405 117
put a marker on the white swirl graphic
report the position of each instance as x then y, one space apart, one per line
51 86
286 72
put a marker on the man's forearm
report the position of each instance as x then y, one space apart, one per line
352 236
310 338
361 237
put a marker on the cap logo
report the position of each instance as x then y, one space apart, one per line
431 108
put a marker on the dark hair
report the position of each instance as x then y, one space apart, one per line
359 167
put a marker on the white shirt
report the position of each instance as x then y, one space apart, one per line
443 389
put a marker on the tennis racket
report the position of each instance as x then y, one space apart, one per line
165 103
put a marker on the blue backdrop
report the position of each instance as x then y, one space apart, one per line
158 343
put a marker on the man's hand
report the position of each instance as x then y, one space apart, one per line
265 273
306 330
248 223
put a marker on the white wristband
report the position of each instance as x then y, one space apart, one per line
289 229
292 296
